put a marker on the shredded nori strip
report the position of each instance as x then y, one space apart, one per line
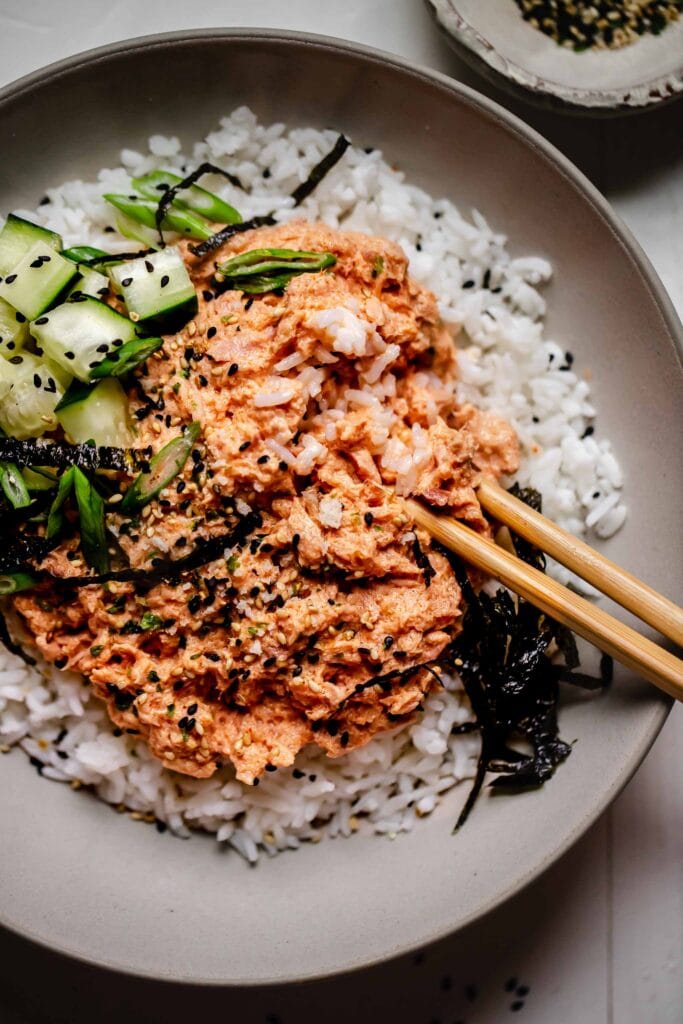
38 452
298 195
116 257
502 658
320 170
228 231
20 550
169 194
169 569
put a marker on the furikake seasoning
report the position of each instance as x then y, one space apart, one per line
582 25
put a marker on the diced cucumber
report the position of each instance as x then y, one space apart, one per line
79 334
18 236
90 282
36 280
156 289
97 413
199 200
29 392
13 330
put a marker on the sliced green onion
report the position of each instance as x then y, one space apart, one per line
130 228
163 467
13 485
126 358
55 517
91 522
199 200
263 270
144 212
82 253
13 582
265 261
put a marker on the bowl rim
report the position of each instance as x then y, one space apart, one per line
478 52
672 324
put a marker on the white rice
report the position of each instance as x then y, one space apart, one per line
506 364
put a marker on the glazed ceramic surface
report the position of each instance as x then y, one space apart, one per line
495 39
99 886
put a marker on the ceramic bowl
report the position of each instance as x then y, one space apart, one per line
99 886
494 38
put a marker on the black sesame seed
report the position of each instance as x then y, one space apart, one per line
203 382
297 671
207 295
36 264
212 331
271 768
263 459
245 444
149 266
165 280
368 518
282 466
102 348
60 662
192 710
126 282
20 318
233 369
344 739
194 604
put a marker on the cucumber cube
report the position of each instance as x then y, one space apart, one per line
156 289
100 414
79 334
36 280
18 236
13 330
29 391
90 282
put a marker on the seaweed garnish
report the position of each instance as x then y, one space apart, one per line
215 241
39 452
169 194
300 193
512 681
322 168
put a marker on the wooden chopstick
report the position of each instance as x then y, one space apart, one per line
627 590
589 621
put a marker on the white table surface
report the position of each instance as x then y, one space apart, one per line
598 939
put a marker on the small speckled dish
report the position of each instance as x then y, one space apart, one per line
96 885
494 39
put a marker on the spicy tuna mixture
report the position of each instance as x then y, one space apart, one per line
316 406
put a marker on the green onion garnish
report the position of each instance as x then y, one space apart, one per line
163 467
144 212
13 582
82 253
262 270
153 185
55 518
91 522
124 360
13 485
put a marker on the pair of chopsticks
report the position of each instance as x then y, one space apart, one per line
597 626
